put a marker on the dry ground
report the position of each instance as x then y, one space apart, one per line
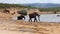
20 27
9 26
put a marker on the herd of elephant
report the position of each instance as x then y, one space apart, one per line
32 15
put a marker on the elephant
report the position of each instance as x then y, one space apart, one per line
58 15
33 15
20 17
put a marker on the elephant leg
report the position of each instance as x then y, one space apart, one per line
24 18
30 20
39 18
35 19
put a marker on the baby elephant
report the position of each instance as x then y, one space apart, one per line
20 17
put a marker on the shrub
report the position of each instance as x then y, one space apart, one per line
23 12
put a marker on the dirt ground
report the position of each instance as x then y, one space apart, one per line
9 26
20 27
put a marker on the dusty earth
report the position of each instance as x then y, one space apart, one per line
9 26
20 27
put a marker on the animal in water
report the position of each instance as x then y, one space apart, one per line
58 15
6 11
20 17
33 15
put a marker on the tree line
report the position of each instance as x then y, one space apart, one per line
5 5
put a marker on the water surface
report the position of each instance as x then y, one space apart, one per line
47 18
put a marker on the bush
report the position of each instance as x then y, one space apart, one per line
23 12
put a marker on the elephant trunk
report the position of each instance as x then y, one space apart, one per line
39 17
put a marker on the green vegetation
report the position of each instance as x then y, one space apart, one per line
57 9
23 12
22 6
10 5
2 5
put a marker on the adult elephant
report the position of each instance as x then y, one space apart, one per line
33 15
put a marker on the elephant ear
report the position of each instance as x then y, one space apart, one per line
23 12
